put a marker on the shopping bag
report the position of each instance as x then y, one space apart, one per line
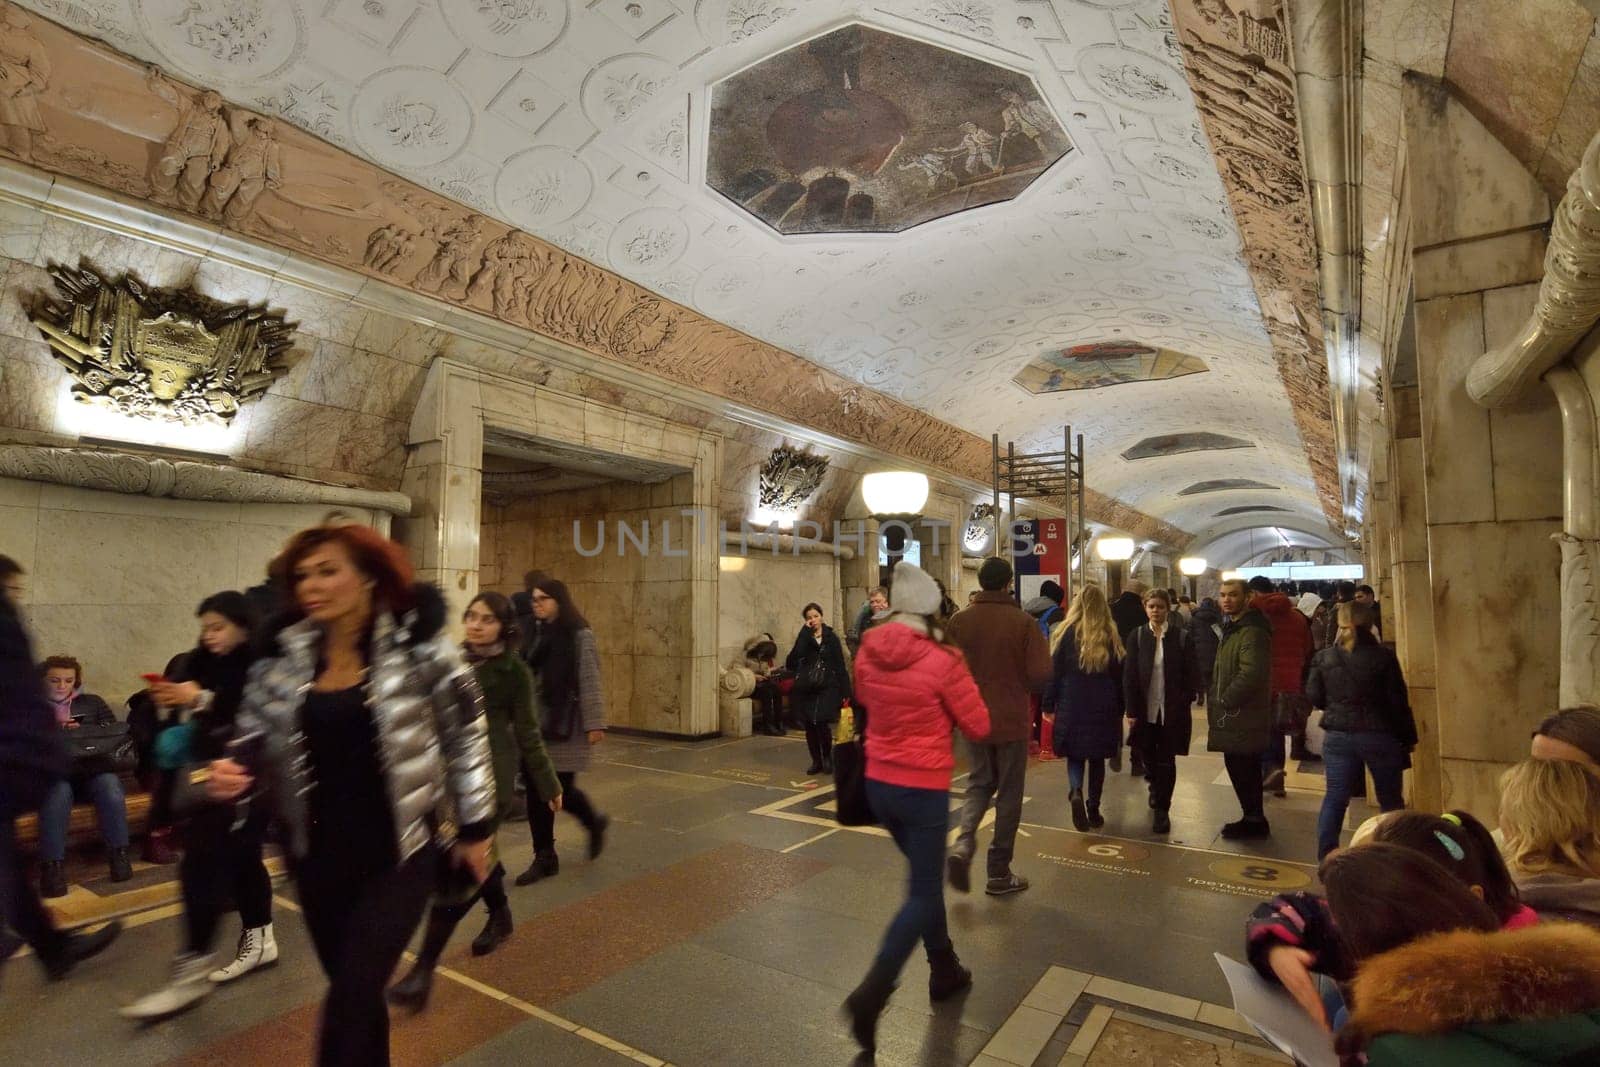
850 785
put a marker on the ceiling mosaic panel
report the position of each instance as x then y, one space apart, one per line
1102 364
865 131
1177 444
1248 509
1218 485
593 125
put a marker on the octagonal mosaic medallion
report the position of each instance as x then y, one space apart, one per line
1103 363
863 131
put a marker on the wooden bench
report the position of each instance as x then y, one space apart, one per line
84 826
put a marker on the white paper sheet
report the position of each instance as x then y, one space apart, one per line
1276 1016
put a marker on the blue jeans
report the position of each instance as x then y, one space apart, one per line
1097 778
1343 756
56 813
919 822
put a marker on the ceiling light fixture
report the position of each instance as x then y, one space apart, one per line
1192 566
1114 549
895 492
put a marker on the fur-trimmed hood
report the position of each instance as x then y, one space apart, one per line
1446 982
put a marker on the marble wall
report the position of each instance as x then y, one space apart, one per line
637 600
1482 487
114 579
762 593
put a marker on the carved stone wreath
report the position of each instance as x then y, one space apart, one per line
167 354
789 477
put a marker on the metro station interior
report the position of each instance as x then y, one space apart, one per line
721 311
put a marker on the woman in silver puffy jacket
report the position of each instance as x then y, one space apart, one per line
361 722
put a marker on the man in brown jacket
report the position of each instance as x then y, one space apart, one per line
1009 658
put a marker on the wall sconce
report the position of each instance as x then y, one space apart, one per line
1191 566
895 492
1114 549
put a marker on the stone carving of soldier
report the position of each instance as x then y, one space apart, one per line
24 74
388 246
453 260
252 166
1030 118
506 263
195 148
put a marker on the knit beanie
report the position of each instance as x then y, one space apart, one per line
1308 604
913 592
994 574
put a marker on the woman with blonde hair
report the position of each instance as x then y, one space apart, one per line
1087 698
1367 718
1550 816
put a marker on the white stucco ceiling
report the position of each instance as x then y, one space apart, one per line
586 122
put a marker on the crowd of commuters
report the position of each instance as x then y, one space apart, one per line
340 724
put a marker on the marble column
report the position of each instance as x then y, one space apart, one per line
443 477
1490 480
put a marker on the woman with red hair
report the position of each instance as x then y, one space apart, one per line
358 722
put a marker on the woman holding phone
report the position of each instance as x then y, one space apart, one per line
222 853
365 720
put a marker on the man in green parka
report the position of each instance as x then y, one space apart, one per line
1239 705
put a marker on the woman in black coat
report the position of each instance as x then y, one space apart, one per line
1159 721
1205 633
817 706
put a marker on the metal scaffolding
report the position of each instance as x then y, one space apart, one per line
1043 476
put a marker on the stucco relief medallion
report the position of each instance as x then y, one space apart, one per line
727 284
1107 256
1165 164
649 241
513 28
542 187
410 117
735 20
1134 80
230 42
614 91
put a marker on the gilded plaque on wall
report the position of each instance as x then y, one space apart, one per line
169 354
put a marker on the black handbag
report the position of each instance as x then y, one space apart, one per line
813 678
850 785
106 746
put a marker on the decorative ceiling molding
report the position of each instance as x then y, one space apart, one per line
132 126
1236 54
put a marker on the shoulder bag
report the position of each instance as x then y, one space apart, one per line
106 746
850 784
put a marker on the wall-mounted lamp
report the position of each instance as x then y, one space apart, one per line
895 492
1191 566
1114 549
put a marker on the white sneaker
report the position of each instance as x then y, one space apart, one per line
257 948
187 988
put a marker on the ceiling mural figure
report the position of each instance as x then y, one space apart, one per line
1105 363
865 131
1176 444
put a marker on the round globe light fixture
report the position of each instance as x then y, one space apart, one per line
1191 566
1114 549
895 492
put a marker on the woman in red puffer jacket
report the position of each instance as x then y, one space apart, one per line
917 688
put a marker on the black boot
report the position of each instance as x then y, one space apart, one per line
863 1006
1080 814
412 990
121 869
946 976
1096 820
495 931
59 959
544 865
52 879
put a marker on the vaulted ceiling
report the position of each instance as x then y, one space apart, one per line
1106 289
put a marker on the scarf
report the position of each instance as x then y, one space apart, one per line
476 654
553 656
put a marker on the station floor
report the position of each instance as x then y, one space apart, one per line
726 921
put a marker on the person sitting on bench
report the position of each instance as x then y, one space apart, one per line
94 777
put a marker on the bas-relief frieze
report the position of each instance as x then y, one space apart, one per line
89 113
1236 54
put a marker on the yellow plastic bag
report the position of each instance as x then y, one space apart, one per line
845 730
